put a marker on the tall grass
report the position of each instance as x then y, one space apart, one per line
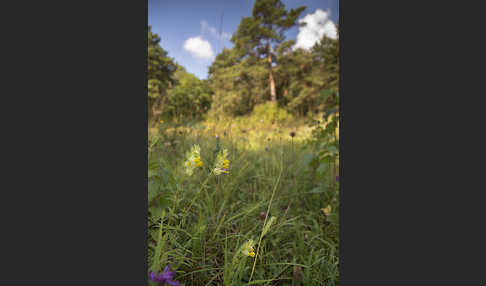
198 224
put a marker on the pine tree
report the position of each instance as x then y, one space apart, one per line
263 32
160 71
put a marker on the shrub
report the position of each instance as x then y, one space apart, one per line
271 112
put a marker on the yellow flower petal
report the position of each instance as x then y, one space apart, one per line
326 210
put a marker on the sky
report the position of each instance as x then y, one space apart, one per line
189 29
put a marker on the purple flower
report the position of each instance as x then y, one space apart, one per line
337 178
164 277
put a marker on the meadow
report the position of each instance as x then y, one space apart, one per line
241 201
243 165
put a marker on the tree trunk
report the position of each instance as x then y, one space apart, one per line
273 94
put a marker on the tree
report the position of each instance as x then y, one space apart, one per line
189 98
326 55
308 79
326 139
238 84
261 33
160 71
300 80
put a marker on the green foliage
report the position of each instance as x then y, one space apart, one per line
238 84
207 221
325 139
326 136
200 224
172 91
189 99
272 113
324 142
326 54
160 71
303 74
262 32
264 28
299 79
261 66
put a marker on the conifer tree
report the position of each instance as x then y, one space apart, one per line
160 71
261 33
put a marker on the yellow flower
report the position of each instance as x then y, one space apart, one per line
161 121
247 248
198 161
222 163
327 210
193 159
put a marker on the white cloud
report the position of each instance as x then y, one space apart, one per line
206 28
199 48
318 24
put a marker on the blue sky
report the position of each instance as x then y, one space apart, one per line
189 29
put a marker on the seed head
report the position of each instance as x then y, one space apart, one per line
262 215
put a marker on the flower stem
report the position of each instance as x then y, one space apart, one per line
266 217
186 210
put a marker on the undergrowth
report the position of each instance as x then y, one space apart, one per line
274 200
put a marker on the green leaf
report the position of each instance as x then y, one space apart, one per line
267 225
158 207
153 190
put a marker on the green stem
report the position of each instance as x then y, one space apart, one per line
186 210
266 217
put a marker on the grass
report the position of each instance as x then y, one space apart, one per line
198 224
